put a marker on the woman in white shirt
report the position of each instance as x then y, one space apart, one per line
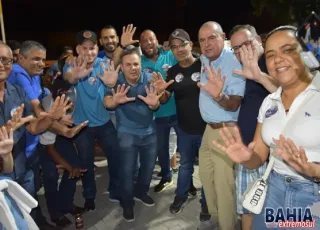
293 182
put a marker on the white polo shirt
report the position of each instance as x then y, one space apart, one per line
303 129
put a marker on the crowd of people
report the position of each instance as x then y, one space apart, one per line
230 106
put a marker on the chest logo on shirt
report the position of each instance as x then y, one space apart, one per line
270 112
195 77
179 77
13 111
166 67
92 80
147 70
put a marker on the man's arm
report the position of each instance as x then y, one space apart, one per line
230 103
109 102
268 82
57 158
165 97
7 163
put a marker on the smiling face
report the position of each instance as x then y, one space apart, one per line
283 58
88 50
33 62
211 41
181 49
6 62
149 44
109 40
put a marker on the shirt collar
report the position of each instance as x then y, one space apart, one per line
206 61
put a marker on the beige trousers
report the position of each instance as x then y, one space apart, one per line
218 179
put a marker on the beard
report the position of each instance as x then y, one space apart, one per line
110 49
149 56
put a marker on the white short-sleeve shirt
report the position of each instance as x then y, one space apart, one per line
303 129
47 138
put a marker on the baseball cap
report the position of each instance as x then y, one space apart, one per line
86 35
179 34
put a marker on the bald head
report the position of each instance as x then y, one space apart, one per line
149 44
213 25
211 38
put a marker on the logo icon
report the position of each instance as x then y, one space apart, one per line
87 34
92 80
179 77
307 114
195 77
270 112
166 67
13 111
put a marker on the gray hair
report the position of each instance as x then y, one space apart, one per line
27 46
248 27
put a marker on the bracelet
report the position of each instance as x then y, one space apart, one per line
221 97
121 46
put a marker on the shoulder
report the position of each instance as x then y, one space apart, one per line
15 89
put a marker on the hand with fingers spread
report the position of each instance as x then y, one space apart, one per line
215 82
71 132
159 83
79 68
233 145
6 141
120 97
250 68
58 109
294 156
127 35
110 75
17 120
152 98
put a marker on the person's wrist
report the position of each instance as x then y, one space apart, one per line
121 46
220 97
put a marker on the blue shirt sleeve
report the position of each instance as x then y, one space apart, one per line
235 84
22 81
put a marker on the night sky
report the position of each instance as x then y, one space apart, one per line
55 22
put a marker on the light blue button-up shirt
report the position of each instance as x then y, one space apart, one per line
211 111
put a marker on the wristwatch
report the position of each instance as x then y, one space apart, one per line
221 97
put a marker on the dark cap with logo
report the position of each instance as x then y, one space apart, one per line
85 35
179 34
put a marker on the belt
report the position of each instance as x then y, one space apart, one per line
222 124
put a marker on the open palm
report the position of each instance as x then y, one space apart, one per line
215 83
6 141
233 145
120 96
110 75
159 83
79 68
152 98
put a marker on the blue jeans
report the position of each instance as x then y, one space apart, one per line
16 213
188 147
287 193
130 146
163 126
107 139
59 201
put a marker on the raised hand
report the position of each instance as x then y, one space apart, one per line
79 68
293 156
215 82
249 59
159 83
127 35
6 141
120 97
71 132
59 108
152 98
67 120
17 120
233 145
110 75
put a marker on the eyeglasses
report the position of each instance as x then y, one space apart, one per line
6 61
182 45
236 49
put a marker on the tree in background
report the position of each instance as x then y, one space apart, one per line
286 11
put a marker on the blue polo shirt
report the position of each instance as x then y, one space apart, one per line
210 110
135 117
90 94
165 60
103 54
14 96
33 90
